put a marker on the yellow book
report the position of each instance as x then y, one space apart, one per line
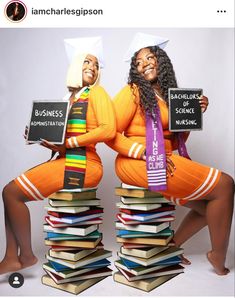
74 243
146 285
71 287
136 193
70 196
164 240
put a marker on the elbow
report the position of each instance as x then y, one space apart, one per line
109 133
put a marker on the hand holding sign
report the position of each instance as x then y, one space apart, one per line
48 121
185 109
61 149
204 102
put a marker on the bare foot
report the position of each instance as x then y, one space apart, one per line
9 265
184 260
217 264
27 261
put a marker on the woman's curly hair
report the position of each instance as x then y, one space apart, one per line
165 79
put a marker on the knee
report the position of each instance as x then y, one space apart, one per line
8 192
228 183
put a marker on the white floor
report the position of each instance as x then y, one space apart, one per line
198 280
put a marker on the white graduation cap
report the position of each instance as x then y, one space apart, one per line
142 40
77 49
85 45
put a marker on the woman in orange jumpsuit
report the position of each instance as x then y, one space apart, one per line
44 179
207 191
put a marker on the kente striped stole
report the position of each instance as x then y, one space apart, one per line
75 159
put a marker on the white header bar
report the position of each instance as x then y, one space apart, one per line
122 13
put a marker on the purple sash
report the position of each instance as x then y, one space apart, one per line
181 146
155 153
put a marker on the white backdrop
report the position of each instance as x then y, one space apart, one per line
33 66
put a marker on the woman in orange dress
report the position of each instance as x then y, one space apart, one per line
49 177
206 190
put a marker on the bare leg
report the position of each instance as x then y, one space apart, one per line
219 214
193 222
10 262
18 234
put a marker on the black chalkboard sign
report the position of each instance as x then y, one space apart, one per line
48 121
184 109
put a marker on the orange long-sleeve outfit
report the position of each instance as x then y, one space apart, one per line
190 180
44 179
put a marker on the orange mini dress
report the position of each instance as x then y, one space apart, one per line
190 180
46 178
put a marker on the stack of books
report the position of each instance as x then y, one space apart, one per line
76 258
148 257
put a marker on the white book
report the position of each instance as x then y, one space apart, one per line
56 224
146 252
71 220
128 186
74 255
72 210
145 217
86 203
78 189
79 231
131 200
166 254
142 207
143 228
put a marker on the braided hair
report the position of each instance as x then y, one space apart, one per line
165 79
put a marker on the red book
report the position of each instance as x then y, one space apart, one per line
58 224
63 214
161 209
127 221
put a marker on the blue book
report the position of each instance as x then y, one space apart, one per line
97 264
129 264
58 236
59 267
170 261
133 234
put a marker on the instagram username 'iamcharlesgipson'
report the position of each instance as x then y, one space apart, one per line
66 11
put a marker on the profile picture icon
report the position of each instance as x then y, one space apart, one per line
15 11
16 280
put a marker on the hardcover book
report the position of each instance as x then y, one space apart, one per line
127 221
79 231
146 285
73 287
101 272
60 203
129 200
57 224
166 254
150 228
73 255
163 240
96 256
175 269
142 207
146 252
70 196
138 193
75 243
